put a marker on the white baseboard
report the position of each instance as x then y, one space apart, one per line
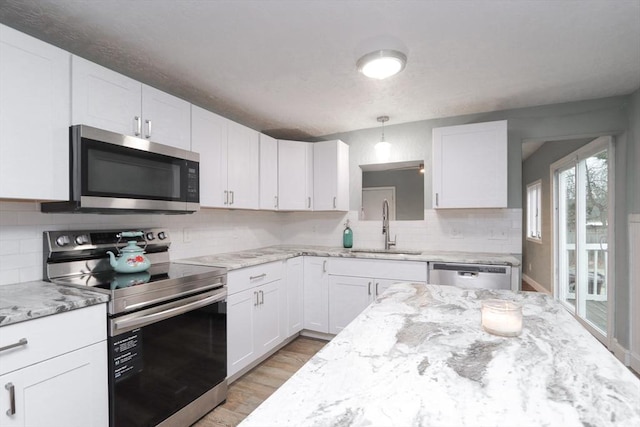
620 352
535 285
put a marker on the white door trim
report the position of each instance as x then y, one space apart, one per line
598 144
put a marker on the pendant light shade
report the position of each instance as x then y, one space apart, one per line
383 148
381 64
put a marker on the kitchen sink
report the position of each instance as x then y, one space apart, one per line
385 251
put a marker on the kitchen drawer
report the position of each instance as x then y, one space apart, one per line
250 277
52 336
380 269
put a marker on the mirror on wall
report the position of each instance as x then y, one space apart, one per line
402 184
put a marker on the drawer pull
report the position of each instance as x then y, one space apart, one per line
12 398
259 276
23 341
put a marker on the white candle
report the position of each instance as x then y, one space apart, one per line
501 317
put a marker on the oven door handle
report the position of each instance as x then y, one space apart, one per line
146 319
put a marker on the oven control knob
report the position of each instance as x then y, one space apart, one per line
162 235
82 239
63 240
150 236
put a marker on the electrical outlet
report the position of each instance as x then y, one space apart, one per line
456 233
186 235
498 234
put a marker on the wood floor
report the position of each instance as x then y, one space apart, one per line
248 392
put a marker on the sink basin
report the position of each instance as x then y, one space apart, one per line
385 251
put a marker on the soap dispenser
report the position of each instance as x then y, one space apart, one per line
347 236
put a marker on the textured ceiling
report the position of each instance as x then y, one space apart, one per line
288 67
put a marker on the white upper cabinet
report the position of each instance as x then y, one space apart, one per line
295 175
229 164
108 100
209 138
268 173
167 119
105 99
34 118
243 152
330 176
470 166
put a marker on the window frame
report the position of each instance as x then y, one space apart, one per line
537 216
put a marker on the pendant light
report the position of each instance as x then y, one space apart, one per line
383 148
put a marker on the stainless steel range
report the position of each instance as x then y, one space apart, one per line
166 326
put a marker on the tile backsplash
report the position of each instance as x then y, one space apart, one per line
212 231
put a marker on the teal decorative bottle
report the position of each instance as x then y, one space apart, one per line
347 236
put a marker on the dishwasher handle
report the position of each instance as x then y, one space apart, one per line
468 274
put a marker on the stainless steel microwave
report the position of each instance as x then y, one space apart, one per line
114 173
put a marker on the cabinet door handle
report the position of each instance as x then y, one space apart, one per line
12 398
148 134
259 276
369 288
261 297
377 288
226 197
255 293
324 266
20 343
137 130
309 202
275 205
436 199
233 197
334 202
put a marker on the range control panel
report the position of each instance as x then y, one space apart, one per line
67 241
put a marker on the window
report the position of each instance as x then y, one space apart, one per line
534 220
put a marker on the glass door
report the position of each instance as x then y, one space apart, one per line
582 230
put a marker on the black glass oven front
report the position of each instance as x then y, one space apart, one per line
159 368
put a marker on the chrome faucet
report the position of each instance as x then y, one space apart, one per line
385 225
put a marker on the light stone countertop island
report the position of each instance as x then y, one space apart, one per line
419 357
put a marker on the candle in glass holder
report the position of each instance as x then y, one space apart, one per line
500 317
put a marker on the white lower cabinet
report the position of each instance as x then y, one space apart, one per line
356 283
256 314
295 299
316 294
68 390
59 376
348 296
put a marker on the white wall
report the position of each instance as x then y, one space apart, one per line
210 231
464 230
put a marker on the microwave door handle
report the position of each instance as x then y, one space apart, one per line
165 314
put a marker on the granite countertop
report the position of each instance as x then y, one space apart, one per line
30 300
418 357
242 259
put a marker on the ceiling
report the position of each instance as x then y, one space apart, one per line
287 68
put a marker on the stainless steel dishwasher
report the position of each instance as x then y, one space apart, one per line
474 276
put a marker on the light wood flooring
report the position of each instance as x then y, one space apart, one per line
249 391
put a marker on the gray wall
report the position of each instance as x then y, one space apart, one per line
616 116
633 159
536 257
411 141
409 186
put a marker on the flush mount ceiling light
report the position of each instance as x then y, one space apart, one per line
383 148
381 64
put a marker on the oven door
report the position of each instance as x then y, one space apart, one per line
163 358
